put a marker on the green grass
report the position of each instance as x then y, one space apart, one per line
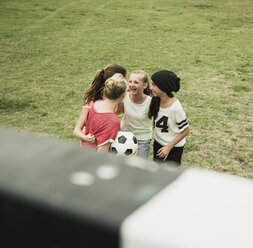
51 50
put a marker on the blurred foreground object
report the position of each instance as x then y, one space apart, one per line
53 194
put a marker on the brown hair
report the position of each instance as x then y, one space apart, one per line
154 107
95 92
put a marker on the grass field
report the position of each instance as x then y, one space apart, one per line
51 50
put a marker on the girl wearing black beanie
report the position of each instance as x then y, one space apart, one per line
170 123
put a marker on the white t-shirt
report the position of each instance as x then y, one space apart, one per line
169 123
136 119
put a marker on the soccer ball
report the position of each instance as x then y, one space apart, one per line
125 144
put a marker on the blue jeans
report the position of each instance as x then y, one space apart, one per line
144 148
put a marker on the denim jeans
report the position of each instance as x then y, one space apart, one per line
144 148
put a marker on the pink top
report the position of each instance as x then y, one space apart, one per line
88 105
104 126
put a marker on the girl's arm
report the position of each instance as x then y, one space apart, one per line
164 151
105 147
119 109
79 126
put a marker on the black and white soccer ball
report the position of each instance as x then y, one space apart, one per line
125 144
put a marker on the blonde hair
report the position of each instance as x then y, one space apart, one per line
115 86
144 77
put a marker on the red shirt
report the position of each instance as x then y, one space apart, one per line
104 126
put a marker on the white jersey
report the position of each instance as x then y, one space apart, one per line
169 123
136 119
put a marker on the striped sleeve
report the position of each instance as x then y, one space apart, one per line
181 120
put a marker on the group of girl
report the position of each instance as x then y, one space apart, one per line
111 95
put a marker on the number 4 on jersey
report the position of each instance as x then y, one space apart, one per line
163 124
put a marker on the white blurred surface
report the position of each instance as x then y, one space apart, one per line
201 209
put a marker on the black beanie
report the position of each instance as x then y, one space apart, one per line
166 81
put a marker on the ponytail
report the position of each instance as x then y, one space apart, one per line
95 92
